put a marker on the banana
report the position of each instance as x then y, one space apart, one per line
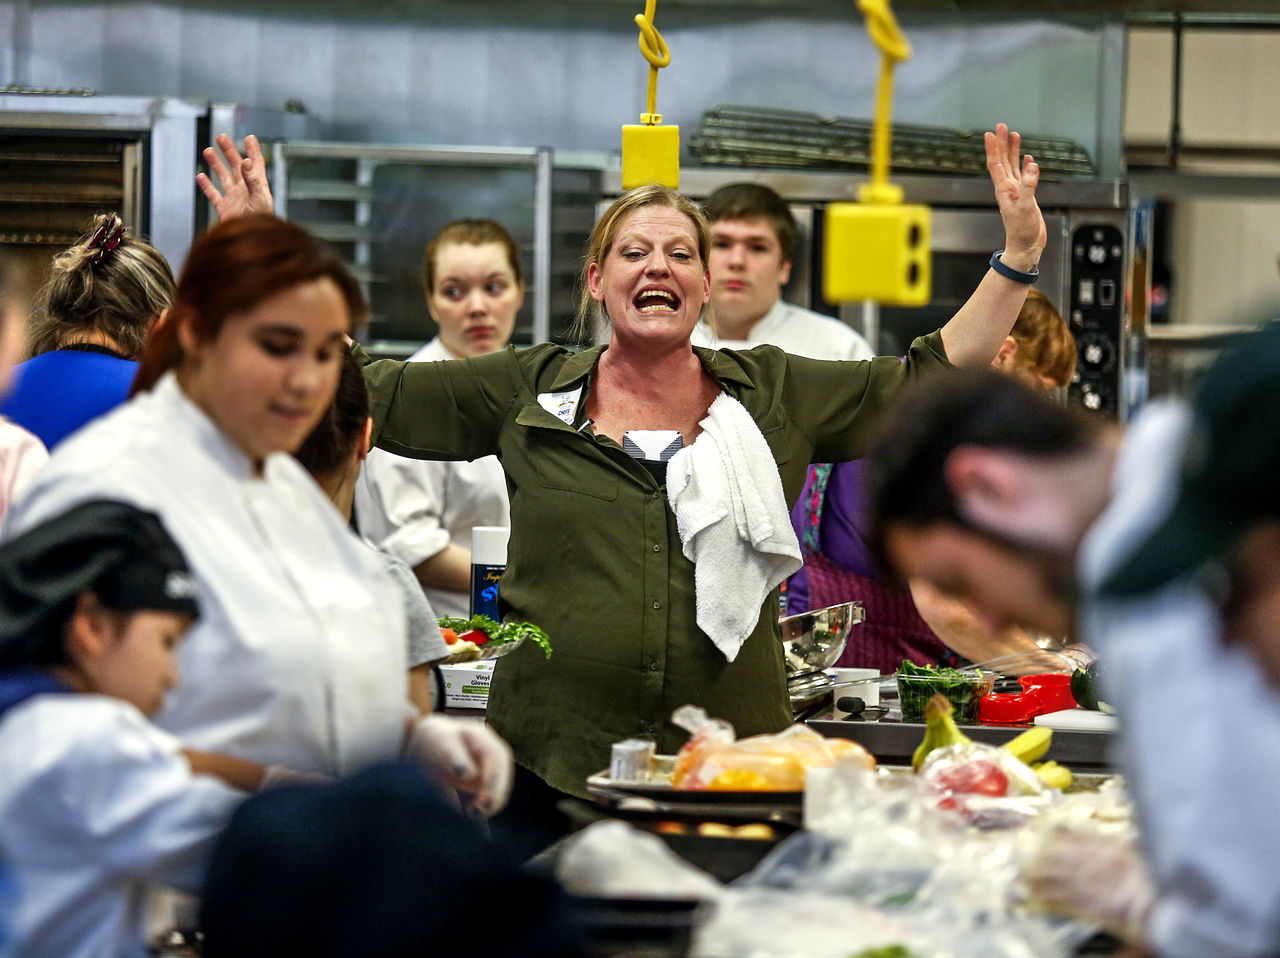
939 730
1031 745
1053 775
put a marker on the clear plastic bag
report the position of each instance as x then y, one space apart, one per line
713 759
986 785
879 844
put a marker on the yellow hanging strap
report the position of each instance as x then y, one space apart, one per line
878 248
885 33
654 49
651 151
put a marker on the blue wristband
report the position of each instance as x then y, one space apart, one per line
1008 272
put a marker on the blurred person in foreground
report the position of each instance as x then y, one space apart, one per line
20 455
381 865
98 807
1158 547
914 620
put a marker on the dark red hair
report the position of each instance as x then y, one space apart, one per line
231 269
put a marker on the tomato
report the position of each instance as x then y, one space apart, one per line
474 636
977 777
449 636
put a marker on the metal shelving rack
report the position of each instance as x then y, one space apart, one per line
348 192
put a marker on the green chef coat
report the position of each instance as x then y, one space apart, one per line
594 557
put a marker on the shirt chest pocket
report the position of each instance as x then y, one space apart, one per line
561 459
780 444
791 456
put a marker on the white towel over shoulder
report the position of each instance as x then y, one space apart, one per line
733 522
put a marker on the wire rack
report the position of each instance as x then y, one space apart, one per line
751 136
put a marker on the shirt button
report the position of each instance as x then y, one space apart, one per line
657 605
656 547
657 496
653 666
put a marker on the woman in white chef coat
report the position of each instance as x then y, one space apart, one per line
421 511
299 657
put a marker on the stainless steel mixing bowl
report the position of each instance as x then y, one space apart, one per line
812 641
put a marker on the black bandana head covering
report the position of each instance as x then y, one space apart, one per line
120 553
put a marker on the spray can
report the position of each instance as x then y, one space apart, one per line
488 561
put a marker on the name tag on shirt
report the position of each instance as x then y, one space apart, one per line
564 405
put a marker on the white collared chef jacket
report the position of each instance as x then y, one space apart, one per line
795 330
299 655
413 508
1203 769
96 806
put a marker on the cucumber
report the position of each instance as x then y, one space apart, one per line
1085 689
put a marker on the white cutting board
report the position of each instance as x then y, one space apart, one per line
1082 719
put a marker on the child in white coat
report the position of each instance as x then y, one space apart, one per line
97 805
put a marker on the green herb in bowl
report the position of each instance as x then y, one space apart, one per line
496 638
964 689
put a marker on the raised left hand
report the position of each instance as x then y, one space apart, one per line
1015 178
242 180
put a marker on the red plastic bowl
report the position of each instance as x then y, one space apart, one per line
1040 694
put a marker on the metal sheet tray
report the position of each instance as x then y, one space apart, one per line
893 741
755 805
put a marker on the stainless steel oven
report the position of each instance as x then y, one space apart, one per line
1083 271
66 156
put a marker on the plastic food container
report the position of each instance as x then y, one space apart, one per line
965 692
1040 694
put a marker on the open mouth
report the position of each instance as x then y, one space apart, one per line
656 300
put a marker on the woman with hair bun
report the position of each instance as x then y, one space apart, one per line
88 328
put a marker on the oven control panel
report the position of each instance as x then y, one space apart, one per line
1096 317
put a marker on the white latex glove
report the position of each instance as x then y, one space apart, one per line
1093 876
274 776
466 755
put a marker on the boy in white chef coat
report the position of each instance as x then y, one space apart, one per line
753 237
97 805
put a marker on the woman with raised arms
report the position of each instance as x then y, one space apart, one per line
626 466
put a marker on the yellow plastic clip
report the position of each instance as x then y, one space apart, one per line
878 248
651 151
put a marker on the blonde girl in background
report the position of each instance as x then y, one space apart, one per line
419 511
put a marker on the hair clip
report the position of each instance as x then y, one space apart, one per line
104 241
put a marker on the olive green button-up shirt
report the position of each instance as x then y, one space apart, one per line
594 557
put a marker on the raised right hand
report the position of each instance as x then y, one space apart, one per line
242 180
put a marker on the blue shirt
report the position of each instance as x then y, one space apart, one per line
56 393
